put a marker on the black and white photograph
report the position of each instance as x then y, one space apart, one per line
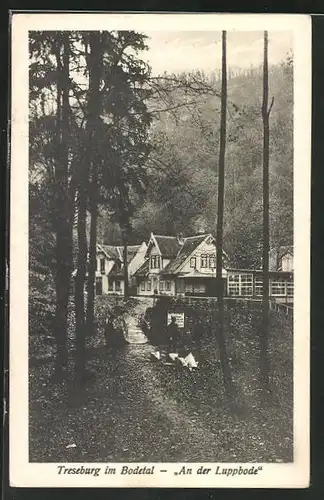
160 250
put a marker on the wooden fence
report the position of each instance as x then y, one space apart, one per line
280 307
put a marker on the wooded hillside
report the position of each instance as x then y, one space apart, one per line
181 192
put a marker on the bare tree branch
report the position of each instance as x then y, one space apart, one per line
270 107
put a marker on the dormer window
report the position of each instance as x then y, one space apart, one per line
212 261
155 262
193 262
102 265
204 261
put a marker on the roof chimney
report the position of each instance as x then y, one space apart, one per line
180 239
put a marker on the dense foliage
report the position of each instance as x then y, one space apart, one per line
88 149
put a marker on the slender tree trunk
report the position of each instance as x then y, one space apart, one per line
63 222
219 236
125 258
92 268
94 107
87 193
264 354
79 288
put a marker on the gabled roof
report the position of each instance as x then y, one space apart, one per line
143 270
169 245
189 246
115 252
109 250
131 252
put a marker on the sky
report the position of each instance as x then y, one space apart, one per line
176 51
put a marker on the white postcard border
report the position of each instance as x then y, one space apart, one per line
23 473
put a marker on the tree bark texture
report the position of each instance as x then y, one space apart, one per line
94 62
264 334
87 195
92 268
219 233
63 206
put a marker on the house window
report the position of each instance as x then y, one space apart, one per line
110 285
233 284
161 285
290 288
246 284
199 288
193 262
149 286
258 286
155 262
143 286
195 288
278 288
102 265
168 286
212 261
204 260
117 286
240 285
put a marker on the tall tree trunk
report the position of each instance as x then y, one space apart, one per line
92 267
219 236
264 334
79 286
88 193
94 61
125 259
63 222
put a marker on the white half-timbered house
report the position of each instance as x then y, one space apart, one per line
179 266
110 267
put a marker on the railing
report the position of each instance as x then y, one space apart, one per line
279 307
287 309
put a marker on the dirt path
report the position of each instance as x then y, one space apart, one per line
178 434
135 334
154 427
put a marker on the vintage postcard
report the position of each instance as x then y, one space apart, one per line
160 250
